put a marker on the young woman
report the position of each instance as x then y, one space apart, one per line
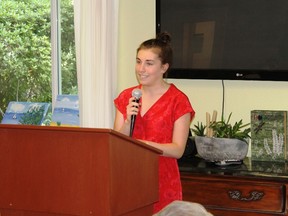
163 114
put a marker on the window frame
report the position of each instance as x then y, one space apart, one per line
56 49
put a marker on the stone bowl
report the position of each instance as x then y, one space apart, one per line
221 150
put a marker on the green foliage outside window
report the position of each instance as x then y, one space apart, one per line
25 51
68 53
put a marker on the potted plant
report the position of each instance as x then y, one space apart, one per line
222 142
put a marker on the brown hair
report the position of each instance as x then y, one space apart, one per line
162 42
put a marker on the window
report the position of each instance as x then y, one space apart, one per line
26 50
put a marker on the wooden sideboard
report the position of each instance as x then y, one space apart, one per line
252 188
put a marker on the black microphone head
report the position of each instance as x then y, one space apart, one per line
137 93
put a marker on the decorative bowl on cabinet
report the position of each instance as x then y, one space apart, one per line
222 151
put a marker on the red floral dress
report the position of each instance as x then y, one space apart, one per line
157 126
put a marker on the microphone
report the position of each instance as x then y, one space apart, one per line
137 94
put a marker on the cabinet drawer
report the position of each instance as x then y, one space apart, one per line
254 196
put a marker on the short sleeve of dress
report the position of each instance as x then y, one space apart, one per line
123 99
182 104
120 102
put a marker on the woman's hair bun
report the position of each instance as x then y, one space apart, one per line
164 37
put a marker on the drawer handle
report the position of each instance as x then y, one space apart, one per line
253 196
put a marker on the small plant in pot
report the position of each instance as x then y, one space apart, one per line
222 142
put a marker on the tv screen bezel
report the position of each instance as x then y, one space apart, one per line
220 74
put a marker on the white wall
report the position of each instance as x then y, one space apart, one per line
137 23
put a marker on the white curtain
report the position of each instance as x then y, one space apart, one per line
96 33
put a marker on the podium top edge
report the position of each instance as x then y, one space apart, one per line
4 127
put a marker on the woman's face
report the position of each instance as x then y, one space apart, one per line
149 68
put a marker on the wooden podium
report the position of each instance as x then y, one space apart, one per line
48 171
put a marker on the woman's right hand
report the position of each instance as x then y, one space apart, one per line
132 108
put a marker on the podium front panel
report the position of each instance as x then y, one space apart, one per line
74 171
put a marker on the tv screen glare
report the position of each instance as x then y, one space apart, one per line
226 39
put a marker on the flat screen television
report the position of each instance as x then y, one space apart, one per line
226 39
